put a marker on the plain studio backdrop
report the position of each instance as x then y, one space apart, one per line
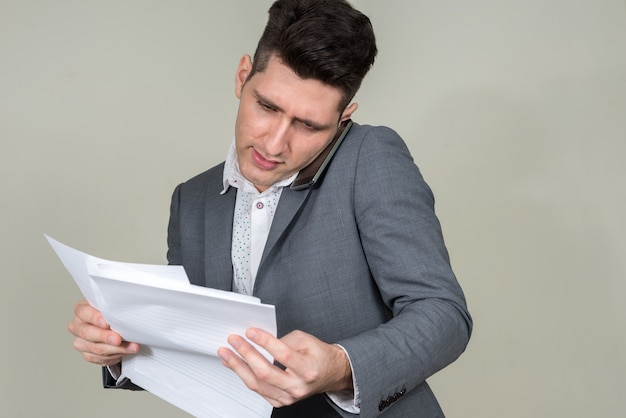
514 110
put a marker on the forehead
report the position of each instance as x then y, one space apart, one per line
285 89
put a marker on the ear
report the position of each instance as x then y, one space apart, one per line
241 75
348 111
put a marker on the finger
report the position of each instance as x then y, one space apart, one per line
275 396
103 354
89 314
236 364
261 366
258 372
287 350
104 349
102 360
89 324
96 344
93 333
293 380
275 347
94 339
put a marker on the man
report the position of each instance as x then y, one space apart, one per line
367 305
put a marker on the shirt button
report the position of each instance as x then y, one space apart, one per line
259 205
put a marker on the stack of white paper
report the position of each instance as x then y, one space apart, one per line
179 327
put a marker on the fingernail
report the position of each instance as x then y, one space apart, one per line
253 335
234 342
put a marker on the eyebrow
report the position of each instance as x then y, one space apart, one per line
270 103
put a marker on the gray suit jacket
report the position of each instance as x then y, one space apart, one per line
357 260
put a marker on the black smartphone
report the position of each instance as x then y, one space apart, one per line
310 174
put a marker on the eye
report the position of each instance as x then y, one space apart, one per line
265 106
308 126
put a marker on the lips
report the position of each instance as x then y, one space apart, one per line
261 162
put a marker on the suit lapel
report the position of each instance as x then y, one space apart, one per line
217 242
289 205
219 230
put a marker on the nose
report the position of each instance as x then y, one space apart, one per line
276 141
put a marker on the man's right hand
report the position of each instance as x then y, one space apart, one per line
95 340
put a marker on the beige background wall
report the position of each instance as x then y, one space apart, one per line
515 111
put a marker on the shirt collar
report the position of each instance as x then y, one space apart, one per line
232 176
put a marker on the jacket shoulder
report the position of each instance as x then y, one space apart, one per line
209 178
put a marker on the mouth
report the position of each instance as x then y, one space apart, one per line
262 162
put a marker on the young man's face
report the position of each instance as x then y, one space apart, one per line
283 121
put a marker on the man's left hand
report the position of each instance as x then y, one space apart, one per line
311 366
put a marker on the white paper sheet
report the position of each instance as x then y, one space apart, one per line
179 327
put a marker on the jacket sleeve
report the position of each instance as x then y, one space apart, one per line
173 230
402 240
109 382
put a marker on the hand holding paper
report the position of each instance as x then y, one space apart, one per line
95 340
310 366
178 326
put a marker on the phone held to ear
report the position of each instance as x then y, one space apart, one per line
310 174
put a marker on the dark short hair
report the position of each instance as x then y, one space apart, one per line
326 40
